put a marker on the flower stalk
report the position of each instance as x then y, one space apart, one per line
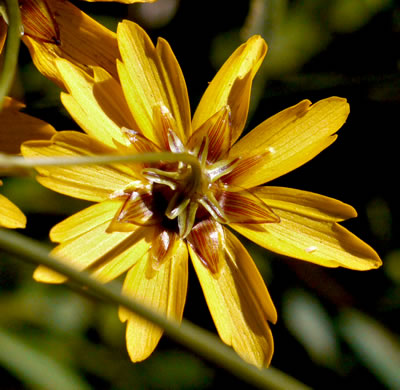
198 340
8 161
11 49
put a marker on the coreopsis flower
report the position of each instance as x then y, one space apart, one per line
15 128
57 29
149 217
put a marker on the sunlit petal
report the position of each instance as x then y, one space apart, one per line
245 207
239 302
163 289
308 232
95 249
290 138
90 182
95 45
207 241
98 107
231 86
85 220
218 131
150 76
10 215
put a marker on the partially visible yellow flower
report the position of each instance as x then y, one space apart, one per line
10 215
15 128
148 218
57 29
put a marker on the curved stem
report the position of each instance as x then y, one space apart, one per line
198 340
8 161
11 48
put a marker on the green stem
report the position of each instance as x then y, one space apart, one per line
11 48
200 341
8 161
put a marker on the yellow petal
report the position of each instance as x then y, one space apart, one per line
232 86
98 107
84 42
3 33
217 131
289 139
305 203
307 230
95 249
164 290
85 220
10 215
151 77
239 302
90 182
17 127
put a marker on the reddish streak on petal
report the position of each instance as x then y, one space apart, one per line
39 22
203 149
219 136
136 210
162 246
217 130
165 123
244 207
245 166
207 240
140 143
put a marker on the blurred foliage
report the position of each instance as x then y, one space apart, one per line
338 328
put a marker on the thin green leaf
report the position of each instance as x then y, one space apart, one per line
375 346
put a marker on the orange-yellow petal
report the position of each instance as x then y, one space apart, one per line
163 289
87 245
38 21
83 41
232 86
217 131
239 302
96 103
17 127
3 33
289 139
308 230
90 182
10 215
151 77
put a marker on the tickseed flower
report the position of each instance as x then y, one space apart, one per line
15 128
57 29
149 217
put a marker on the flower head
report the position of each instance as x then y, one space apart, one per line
149 217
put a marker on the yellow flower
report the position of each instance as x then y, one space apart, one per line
57 29
15 128
149 217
